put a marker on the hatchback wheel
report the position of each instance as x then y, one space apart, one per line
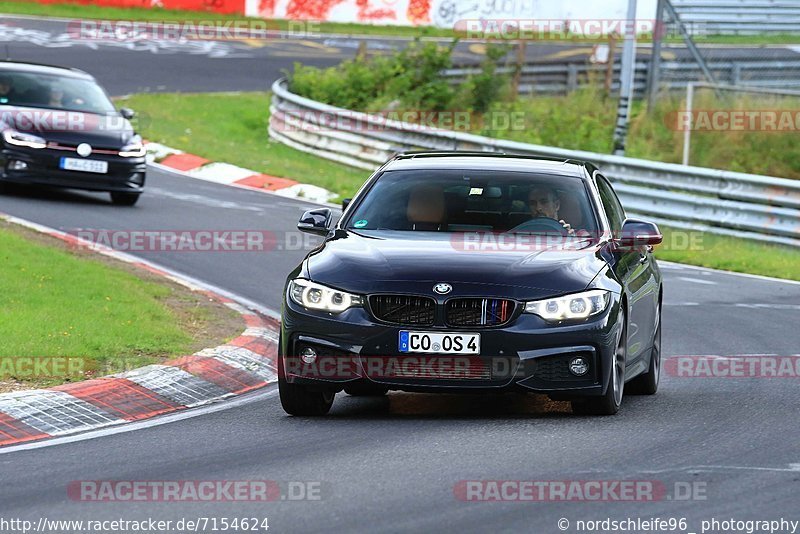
647 384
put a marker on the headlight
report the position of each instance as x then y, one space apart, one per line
318 297
570 307
134 148
13 137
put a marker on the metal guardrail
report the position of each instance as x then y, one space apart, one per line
561 78
757 207
742 17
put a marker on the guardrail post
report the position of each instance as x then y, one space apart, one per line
518 69
572 77
736 74
654 74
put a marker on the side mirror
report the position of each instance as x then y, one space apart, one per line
127 113
638 233
345 203
315 221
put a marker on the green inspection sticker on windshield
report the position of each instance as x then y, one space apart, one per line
360 224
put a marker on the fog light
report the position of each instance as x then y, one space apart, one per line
308 355
17 165
579 366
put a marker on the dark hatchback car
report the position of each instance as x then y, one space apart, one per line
454 272
59 128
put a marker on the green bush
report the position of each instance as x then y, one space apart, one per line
582 120
410 77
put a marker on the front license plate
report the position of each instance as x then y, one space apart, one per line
84 165
440 342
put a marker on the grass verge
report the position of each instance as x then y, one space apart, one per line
91 11
729 254
232 127
59 303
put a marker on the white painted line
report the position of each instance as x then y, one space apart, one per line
782 307
731 273
792 468
697 281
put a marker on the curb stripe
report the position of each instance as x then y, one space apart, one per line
247 363
265 181
184 162
177 385
14 431
232 379
55 412
121 397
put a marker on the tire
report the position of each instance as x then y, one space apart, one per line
361 390
298 399
647 384
124 199
610 402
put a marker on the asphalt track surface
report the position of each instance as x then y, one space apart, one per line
391 464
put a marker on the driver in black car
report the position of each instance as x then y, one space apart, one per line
543 202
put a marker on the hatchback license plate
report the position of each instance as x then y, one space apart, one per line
84 165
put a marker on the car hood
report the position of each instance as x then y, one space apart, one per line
370 262
110 131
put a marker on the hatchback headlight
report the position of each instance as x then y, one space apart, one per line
315 296
134 148
577 306
13 137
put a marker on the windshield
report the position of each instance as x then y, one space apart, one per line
476 201
52 92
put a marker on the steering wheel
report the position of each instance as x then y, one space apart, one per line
540 224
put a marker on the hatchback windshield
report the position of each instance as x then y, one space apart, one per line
470 201
28 89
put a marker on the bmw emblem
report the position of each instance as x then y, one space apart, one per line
442 288
84 149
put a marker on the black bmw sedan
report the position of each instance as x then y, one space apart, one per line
463 272
59 128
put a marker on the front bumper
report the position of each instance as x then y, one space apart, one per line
124 174
526 355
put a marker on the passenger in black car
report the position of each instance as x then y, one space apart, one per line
7 92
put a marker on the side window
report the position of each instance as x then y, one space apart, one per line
614 211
